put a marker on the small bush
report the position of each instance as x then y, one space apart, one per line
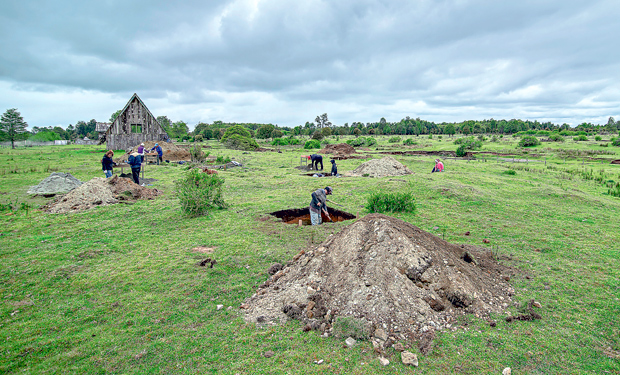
199 192
461 151
556 137
482 138
362 142
529 141
279 142
409 142
348 326
394 140
313 143
580 138
616 142
598 138
318 135
466 143
197 154
390 202
510 172
494 139
430 136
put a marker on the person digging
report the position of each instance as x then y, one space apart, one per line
318 203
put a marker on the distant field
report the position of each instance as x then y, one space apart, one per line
117 290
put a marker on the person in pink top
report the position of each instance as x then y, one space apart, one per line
438 166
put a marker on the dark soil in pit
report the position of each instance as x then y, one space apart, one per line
293 216
323 175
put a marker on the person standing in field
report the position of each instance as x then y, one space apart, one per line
160 153
107 163
135 160
141 149
318 203
438 166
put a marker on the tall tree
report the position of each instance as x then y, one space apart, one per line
115 115
322 121
12 126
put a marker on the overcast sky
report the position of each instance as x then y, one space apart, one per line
285 62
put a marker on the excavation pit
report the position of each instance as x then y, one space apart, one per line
320 175
293 216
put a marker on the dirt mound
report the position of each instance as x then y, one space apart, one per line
387 166
387 273
56 183
100 192
615 162
340 148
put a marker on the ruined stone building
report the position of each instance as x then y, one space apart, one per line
134 125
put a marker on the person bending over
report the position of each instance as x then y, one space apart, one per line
318 203
316 159
135 160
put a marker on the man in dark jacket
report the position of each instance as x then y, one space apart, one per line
135 160
315 160
160 152
318 203
334 168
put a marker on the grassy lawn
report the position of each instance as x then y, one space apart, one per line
117 290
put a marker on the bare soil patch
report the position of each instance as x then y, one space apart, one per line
171 151
340 148
387 166
387 273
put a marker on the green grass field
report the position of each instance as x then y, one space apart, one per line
117 290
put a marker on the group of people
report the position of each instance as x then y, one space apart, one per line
316 159
135 160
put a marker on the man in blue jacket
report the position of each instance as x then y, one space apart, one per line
160 153
135 160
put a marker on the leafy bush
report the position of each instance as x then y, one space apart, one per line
466 143
555 137
236 129
581 138
461 151
362 142
494 138
482 138
197 154
317 135
279 142
44 136
598 138
220 159
394 140
199 192
430 136
529 141
198 138
543 132
313 143
390 202
510 172
276 133
348 326
238 142
409 142
616 142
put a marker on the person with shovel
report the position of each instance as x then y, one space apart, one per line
318 203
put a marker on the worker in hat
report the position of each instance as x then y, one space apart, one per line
135 160
318 204
160 153
141 149
315 159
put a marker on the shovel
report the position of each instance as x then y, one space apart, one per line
335 203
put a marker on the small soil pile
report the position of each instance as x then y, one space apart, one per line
340 148
56 183
387 166
100 192
171 151
387 273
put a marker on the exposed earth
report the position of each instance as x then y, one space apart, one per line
388 274
387 166
56 183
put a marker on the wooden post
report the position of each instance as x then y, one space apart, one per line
300 222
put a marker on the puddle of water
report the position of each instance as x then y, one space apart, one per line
293 216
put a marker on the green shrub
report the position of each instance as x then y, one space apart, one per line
293 141
580 138
461 151
543 132
598 138
616 142
466 143
390 202
409 142
236 129
430 136
279 142
362 142
494 138
197 154
482 138
529 141
238 142
313 143
555 137
317 135
276 133
199 192
394 140
348 326
510 172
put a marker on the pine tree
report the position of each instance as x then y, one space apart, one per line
12 125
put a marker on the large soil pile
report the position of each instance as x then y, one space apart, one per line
340 148
100 192
56 183
387 273
387 166
171 151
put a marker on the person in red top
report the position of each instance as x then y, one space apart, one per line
438 166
